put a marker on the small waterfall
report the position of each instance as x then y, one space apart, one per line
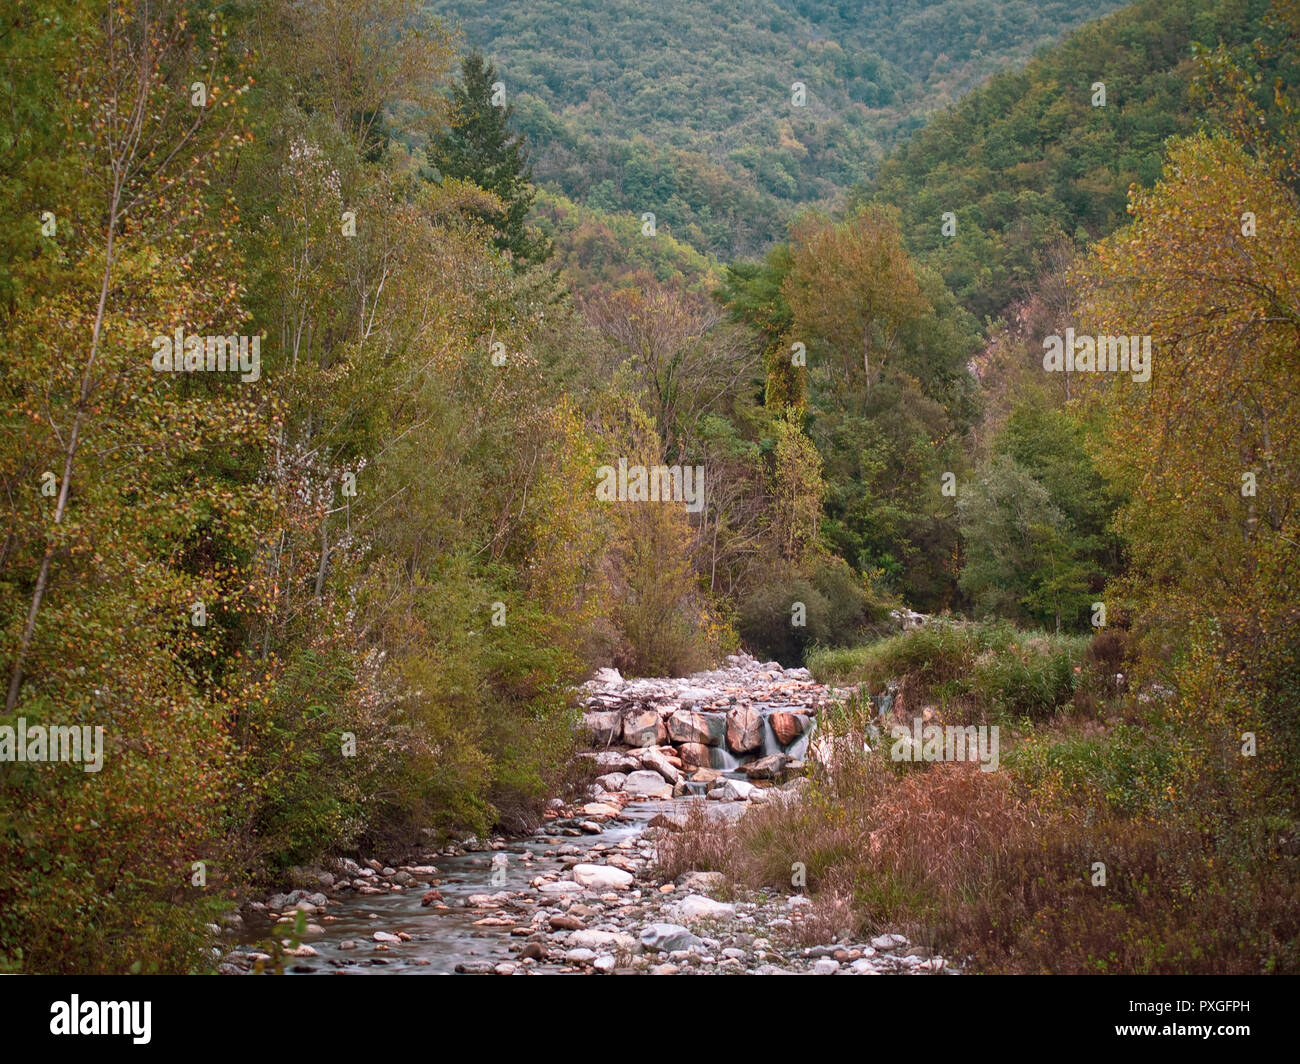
770 745
722 758
885 702
799 748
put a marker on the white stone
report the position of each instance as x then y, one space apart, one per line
697 907
602 877
648 784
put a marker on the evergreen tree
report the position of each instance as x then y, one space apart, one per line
479 146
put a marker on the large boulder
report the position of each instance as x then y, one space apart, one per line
642 727
787 727
687 727
604 728
657 762
695 755
647 784
602 877
744 729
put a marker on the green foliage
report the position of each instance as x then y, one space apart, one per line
1027 157
983 671
1035 523
594 246
839 609
478 146
685 109
1125 771
886 387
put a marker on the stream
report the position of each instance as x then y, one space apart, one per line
441 939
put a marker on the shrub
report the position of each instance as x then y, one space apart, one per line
984 671
963 863
840 609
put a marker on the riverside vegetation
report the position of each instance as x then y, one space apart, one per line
344 607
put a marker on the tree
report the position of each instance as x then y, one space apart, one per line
478 146
797 489
1206 453
1019 564
684 357
851 288
123 586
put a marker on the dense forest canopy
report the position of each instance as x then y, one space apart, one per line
685 107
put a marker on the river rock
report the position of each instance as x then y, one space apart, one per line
696 907
657 762
685 726
643 727
603 728
744 730
384 936
602 877
787 727
614 761
667 938
701 882
579 956
727 790
695 755
648 785
604 941
767 768
562 886
612 781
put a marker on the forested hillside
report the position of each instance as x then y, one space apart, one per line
1048 153
684 108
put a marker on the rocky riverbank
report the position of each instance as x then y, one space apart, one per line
545 904
583 892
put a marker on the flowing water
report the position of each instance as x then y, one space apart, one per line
441 938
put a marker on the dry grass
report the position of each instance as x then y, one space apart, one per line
953 858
